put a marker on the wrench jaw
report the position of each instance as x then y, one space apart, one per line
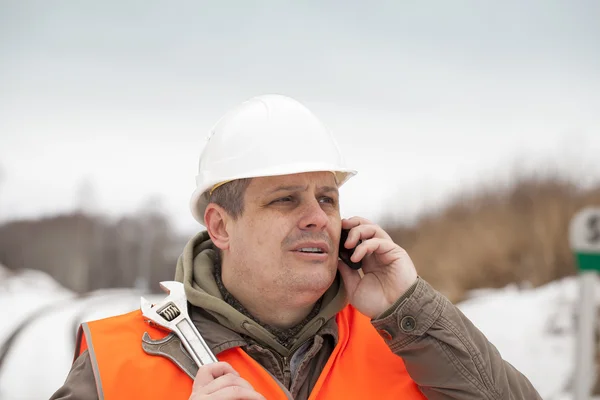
145 306
150 315
169 311
176 295
171 314
171 287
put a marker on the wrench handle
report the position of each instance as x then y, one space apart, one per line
195 344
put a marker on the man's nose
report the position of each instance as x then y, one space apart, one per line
313 217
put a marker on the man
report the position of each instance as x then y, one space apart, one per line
285 317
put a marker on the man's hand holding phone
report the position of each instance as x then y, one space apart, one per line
388 270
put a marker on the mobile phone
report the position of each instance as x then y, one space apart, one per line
345 253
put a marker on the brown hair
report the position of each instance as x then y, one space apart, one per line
230 196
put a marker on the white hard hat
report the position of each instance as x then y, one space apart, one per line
265 136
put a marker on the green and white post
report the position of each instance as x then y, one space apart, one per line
584 237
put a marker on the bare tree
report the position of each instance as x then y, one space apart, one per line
149 214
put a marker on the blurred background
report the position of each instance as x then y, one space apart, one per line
474 125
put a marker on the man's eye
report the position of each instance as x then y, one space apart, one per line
283 199
327 200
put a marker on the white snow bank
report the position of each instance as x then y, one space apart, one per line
41 355
533 329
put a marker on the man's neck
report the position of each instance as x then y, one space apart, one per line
283 325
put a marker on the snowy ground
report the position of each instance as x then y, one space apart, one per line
533 329
39 359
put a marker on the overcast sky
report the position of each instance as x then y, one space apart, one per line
426 98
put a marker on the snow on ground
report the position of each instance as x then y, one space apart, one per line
40 357
534 329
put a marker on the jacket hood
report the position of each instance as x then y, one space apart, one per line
195 269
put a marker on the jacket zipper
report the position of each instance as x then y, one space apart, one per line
287 373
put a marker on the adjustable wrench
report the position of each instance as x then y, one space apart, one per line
171 314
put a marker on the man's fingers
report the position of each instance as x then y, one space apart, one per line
224 381
350 223
220 381
364 232
386 250
209 372
237 393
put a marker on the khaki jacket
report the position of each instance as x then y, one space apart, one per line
445 354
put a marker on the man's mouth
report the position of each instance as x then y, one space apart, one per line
315 250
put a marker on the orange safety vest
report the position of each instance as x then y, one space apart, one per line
361 365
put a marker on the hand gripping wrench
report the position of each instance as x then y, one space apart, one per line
171 314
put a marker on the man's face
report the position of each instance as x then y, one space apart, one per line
285 243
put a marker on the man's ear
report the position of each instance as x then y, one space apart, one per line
216 219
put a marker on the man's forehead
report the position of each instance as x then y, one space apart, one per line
324 179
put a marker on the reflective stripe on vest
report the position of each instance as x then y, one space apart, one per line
361 365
